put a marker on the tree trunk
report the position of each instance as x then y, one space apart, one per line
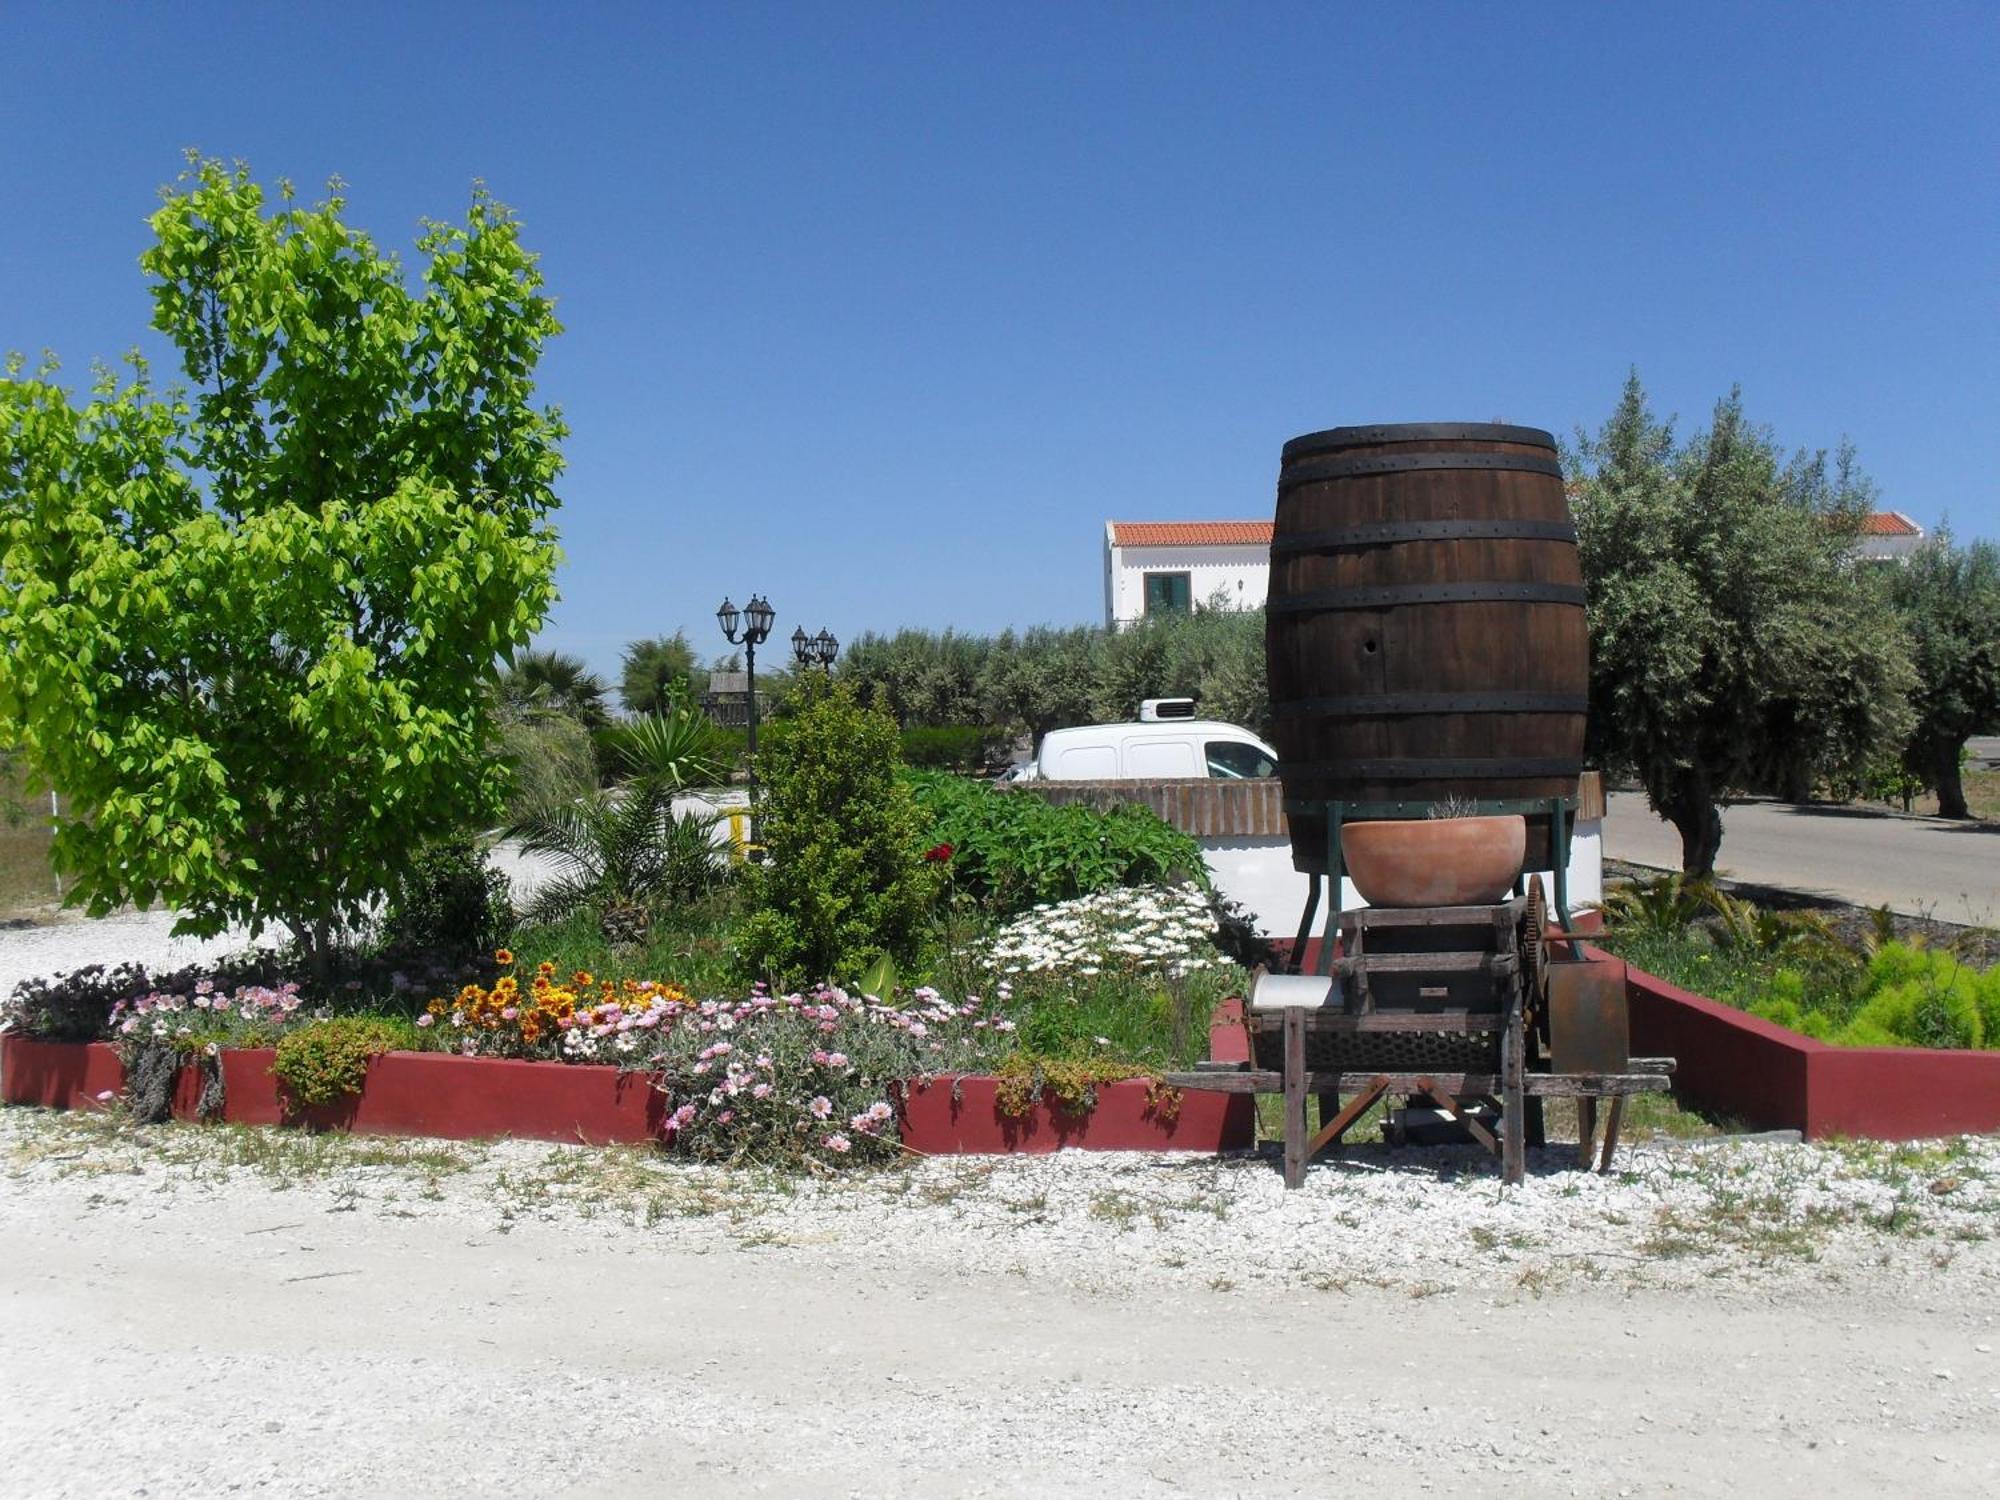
1691 809
1950 788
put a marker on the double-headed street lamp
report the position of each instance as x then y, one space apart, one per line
756 622
814 650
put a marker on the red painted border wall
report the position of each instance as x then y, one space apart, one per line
465 1098
1733 1064
961 1115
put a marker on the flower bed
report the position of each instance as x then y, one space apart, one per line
461 1098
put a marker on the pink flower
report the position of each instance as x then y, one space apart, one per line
426 1019
821 1107
836 1059
819 1057
837 1143
106 1097
761 1091
511 1013
879 1111
725 1117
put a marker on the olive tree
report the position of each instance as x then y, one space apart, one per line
1949 598
250 624
1736 641
656 673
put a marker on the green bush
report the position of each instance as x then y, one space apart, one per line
1013 850
328 1060
950 748
845 882
450 903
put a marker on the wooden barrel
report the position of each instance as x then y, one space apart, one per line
1425 632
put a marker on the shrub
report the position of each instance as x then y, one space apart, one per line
846 882
328 1060
1069 1084
948 748
451 902
1012 849
808 1079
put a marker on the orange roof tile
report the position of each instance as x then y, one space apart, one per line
1889 523
1191 533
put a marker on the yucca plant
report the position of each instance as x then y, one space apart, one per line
671 751
1666 906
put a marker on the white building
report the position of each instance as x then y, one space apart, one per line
1889 536
1152 567
1156 566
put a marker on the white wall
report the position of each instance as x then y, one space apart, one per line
1258 874
1243 573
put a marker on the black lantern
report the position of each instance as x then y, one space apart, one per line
814 650
757 617
726 617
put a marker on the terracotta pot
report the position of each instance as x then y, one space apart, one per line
1434 861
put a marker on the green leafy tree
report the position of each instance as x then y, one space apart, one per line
1736 643
659 672
249 626
1949 598
845 883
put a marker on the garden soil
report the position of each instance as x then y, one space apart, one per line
516 1327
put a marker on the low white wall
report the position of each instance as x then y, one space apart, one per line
1258 875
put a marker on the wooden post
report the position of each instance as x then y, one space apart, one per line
1586 1128
1611 1124
1295 1096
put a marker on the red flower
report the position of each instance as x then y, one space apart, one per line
939 854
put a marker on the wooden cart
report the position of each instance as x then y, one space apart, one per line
1462 1006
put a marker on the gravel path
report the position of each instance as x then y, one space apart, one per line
191 1310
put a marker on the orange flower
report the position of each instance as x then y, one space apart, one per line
503 956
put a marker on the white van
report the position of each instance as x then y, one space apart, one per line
1167 742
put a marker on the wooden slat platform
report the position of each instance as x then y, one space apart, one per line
1654 1079
1425 963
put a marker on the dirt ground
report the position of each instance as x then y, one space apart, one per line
398 1319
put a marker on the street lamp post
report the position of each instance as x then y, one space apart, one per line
814 650
756 622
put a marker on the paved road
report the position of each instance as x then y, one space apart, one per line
1925 867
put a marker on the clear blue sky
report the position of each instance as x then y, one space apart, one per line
885 310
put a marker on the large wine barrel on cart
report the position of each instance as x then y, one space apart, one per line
1425 630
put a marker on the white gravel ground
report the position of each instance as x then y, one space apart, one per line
189 1311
